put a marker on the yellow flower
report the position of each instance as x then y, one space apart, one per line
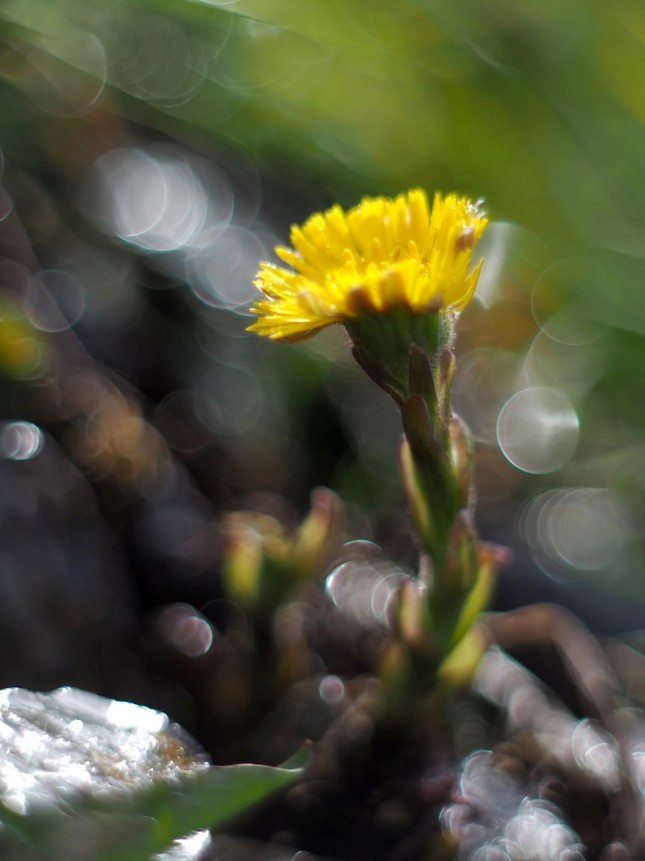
383 255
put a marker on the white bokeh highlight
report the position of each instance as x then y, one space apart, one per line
537 430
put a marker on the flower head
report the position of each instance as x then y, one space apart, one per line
386 254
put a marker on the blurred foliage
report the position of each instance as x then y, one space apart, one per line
136 825
153 152
535 106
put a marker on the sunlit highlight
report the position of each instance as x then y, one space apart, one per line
21 440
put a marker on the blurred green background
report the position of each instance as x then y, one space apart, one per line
153 153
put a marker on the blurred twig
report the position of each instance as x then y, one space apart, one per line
587 665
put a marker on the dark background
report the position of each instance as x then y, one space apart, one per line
153 153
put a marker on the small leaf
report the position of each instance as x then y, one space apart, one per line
459 666
419 509
420 374
433 474
409 609
429 456
461 456
311 543
490 558
168 811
